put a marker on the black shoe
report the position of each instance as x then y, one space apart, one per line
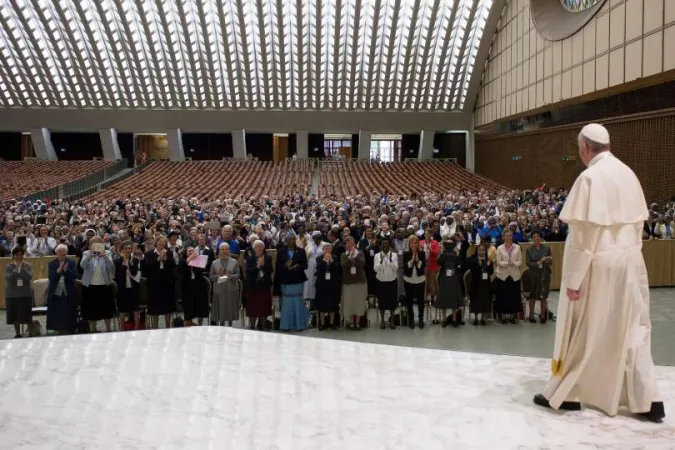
421 324
17 336
322 327
504 321
475 322
392 325
542 321
334 327
382 325
483 322
540 400
532 320
655 414
444 323
513 321
411 325
461 322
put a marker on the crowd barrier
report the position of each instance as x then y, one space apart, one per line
659 258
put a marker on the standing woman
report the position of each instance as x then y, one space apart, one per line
313 249
62 303
539 260
386 273
128 278
291 267
431 250
354 289
480 290
369 247
259 272
159 270
18 294
226 298
508 279
328 273
195 293
414 265
450 284
98 274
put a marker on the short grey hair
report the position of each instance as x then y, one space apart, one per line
223 245
259 243
61 247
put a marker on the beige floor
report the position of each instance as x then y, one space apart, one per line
524 339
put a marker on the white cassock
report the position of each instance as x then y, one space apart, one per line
602 353
313 251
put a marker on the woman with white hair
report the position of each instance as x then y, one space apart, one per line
259 273
62 293
226 298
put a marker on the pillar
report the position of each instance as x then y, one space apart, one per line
175 140
471 148
426 150
42 143
239 144
364 144
302 144
111 149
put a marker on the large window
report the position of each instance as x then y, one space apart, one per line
385 150
332 147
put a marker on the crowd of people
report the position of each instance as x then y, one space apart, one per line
207 257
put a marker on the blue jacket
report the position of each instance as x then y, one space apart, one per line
87 265
69 275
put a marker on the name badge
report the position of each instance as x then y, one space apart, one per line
327 276
193 275
485 276
493 240
19 283
449 272
400 253
353 270
161 264
260 273
539 265
372 253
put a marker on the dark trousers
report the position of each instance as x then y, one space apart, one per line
414 293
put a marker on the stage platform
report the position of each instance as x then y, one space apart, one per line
223 388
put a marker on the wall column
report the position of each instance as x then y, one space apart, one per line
239 144
174 139
364 144
471 147
302 144
426 150
42 143
111 149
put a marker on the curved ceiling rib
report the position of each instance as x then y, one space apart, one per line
345 55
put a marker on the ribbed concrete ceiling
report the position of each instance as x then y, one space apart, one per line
372 55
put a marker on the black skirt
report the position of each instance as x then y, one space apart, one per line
508 296
387 295
195 298
128 299
98 302
19 310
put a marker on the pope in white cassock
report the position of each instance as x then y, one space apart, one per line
602 355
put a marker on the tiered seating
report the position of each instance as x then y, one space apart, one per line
347 178
20 178
214 179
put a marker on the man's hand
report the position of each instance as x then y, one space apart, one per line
572 294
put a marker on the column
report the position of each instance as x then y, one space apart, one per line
175 140
426 150
42 143
302 144
239 144
111 149
364 144
471 148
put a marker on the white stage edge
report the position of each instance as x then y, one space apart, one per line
224 388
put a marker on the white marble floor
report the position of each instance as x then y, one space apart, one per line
223 388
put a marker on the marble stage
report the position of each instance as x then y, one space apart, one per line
223 388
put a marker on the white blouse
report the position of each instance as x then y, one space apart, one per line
504 256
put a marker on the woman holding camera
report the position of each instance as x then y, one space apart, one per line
98 301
